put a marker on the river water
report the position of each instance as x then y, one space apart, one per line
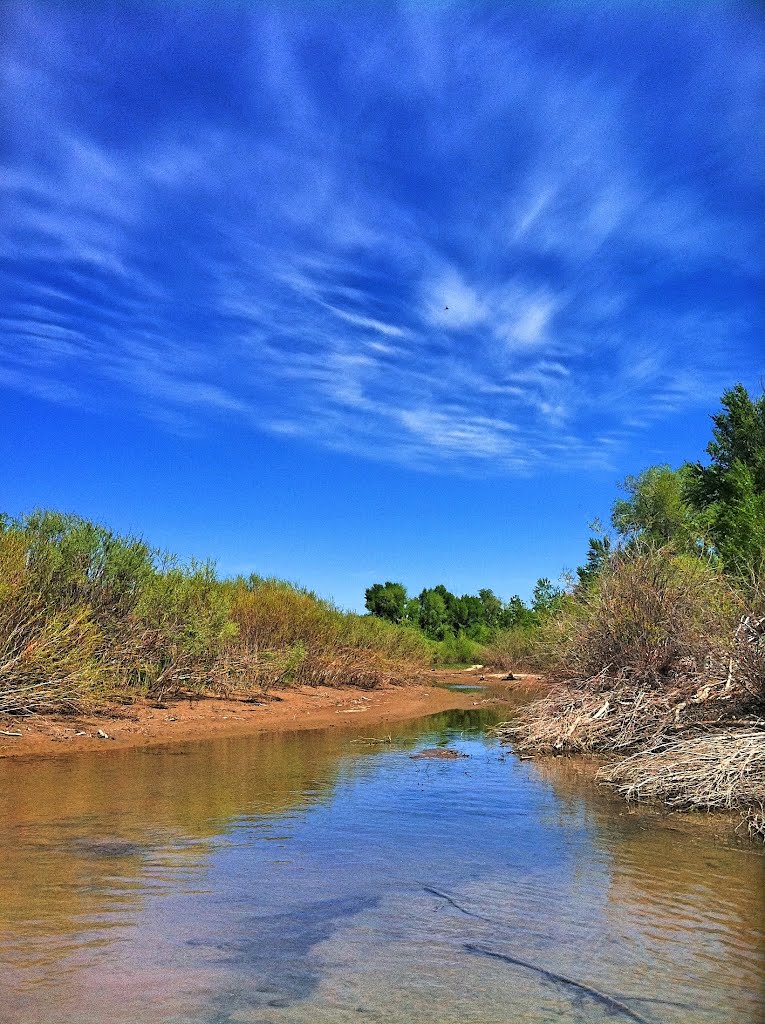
315 877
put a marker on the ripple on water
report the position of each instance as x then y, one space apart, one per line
313 878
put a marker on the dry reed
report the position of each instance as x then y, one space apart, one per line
722 769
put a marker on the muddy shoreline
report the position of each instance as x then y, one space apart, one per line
145 723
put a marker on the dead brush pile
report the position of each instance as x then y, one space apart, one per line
659 665
721 769
614 715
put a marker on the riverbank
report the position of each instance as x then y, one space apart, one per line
151 723
686 746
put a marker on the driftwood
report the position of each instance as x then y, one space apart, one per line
599 997
463 910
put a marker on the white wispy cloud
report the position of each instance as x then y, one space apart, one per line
460 254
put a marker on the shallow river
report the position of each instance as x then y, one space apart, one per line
311 877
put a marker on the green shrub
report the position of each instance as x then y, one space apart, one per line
456 649
85 613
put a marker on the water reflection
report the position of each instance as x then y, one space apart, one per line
312 877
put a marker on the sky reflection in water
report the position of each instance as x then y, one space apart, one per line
289 879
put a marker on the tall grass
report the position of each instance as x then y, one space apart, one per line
287 634
88 615
519 648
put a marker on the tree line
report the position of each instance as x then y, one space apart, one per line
438 613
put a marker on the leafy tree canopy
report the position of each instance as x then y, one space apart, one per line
738 440
440 614
658 507
386 600
715 509
730 491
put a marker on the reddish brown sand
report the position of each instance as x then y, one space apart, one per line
146 724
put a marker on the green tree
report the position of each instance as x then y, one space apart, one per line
467 614
730 491
546 597
412 612
386 600
433 614
658 507
738 438
598 553
516 613
492 607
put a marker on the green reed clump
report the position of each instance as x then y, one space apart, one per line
88 615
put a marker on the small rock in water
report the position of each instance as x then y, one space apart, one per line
438 754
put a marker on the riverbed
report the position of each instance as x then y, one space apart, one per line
329 876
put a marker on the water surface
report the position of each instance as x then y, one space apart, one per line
316 877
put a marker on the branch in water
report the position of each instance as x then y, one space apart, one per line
600 997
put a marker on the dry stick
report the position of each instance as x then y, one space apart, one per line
462 910
599 997
653 999
609 1001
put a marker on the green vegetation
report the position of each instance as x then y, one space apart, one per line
660 644
460 628
87 615
717 510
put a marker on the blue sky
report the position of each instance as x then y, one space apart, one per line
354 292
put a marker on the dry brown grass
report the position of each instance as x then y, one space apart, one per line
722 769
753 819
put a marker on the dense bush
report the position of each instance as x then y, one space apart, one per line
456 649
649 613
288 634
86 614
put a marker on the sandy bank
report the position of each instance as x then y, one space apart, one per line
147 724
